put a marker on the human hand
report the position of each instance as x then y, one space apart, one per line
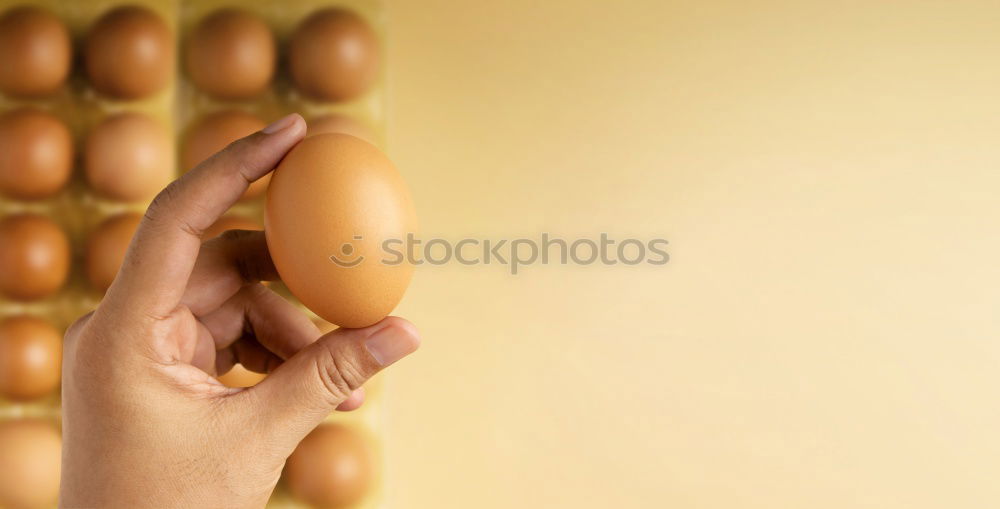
145 424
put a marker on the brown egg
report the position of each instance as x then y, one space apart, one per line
334 466
213 132
240 377
348 190
34 257
231 55
230 222
30 358
36 154
35 52
129 53
30 458
106 248
334 55
335 123
129 157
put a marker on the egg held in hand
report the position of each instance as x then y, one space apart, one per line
332 203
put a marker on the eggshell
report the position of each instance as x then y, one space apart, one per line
334 55
336 123
30 357
36 154
35 52
231 55
30 457
213 132
129 157
129 53
332 467
332 202
34 256
107 246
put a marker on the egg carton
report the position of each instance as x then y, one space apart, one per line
79 211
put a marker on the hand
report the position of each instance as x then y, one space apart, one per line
145 424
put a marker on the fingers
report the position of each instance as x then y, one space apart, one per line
225 265
258 312
203 354
162 254
307 387
249 353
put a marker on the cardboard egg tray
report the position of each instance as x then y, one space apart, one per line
179 105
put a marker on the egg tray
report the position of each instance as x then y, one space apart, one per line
78 210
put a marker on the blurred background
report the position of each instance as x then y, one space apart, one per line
826 173
825 332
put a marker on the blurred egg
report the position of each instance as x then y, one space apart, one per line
36 154
334 466
34 257
231 55
230 222
332 202
129 157
213 132
35 52
239 376
334 55
30 458
107 246
129 53
335 123
30 358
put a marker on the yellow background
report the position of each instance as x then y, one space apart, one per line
826 334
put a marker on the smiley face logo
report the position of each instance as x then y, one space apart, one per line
347 250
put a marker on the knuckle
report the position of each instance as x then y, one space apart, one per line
335 385
339 375
163 210
351 372
236 154
162 202
74 329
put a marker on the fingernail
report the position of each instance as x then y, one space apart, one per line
279 124
389 344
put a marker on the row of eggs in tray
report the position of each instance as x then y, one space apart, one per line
128 53
128 156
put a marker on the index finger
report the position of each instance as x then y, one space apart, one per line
163 251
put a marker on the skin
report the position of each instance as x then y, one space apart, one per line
145 423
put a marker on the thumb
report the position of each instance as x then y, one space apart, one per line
300 393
